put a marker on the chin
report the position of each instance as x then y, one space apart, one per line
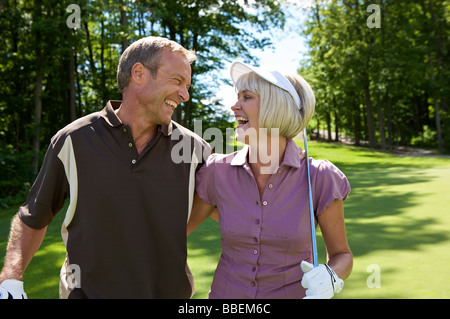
167 119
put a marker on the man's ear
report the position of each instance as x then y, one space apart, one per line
137 73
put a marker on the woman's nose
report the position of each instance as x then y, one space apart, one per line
236 106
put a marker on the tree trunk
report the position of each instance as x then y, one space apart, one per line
72 70
370 117
434 87
124 24
357 122
389 120
37 121
38 88
381 123
328 119
336 121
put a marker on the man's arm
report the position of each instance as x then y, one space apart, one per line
23 243
200 211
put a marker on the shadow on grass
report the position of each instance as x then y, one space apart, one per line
374 205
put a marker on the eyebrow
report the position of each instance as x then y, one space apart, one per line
245 91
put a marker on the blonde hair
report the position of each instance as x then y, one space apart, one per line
277 107
147 51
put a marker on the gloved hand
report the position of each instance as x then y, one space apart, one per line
12 289
321 282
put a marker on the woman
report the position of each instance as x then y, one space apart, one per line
261 195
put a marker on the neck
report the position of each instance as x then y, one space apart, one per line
141 129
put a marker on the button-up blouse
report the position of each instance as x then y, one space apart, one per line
264 239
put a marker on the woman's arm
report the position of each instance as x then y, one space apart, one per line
332 225
200 211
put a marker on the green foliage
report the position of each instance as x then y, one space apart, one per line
76 68
379 84
15 172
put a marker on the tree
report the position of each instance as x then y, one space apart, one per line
52 73
394 73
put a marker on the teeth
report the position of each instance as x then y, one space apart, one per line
171 103
241 119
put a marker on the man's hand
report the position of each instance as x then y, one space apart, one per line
12 289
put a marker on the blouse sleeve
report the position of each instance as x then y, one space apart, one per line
330 184
204 181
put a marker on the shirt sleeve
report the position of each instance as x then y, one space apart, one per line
48 193
330 184
204 181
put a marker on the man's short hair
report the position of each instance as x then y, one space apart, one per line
147 51
277 107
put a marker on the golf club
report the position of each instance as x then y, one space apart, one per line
311 210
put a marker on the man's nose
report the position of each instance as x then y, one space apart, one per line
184 94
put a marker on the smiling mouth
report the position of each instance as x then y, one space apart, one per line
173 105
241 120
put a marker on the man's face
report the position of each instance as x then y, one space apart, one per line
159 96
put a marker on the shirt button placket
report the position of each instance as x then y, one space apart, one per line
253 282
256 253
130 143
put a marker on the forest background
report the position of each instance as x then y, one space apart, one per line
379 69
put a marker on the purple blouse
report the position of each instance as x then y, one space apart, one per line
265 239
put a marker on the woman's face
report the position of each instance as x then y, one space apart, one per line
246 112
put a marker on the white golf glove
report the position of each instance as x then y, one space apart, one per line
12 289
321 282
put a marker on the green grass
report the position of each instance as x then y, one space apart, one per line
396 218
41 279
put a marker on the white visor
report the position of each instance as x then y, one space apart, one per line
238 68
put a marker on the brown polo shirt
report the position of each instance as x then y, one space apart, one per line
125 227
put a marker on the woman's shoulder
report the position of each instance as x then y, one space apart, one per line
217 158
323 166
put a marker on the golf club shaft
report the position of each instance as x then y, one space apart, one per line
311 210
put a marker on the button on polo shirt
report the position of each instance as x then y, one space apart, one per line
125 227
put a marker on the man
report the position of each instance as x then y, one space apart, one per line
125 227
